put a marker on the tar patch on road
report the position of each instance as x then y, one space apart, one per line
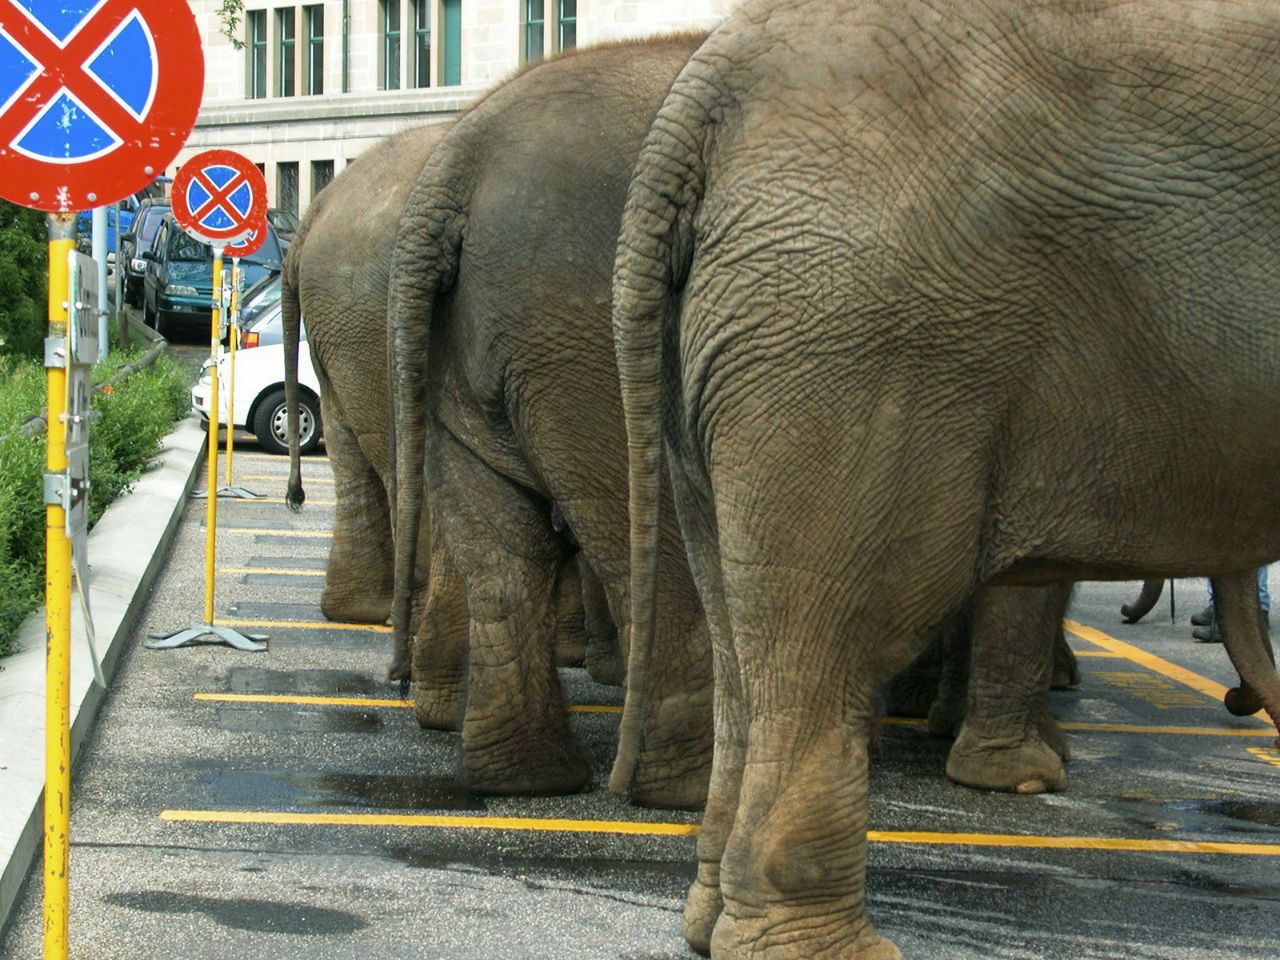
264 916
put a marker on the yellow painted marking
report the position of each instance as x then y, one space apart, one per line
1100 654
1266 754
691 829
301 625
320 701
1157 691
279 500
1150 661
303 700
427 820
284 477
276 571
269 532
283 457
1077 843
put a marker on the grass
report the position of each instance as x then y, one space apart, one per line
133 417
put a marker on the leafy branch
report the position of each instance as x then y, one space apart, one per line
229 14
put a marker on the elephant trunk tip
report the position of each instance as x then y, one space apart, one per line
295 496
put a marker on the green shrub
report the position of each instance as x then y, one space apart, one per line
24 278
134 416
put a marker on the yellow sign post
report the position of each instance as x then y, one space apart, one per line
224 634
57 592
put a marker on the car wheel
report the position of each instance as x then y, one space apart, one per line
271 423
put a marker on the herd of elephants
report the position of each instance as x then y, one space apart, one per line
758 368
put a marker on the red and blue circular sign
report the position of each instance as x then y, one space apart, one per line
96 97
218 196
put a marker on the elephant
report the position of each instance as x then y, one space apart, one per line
897 287
336 275
506 394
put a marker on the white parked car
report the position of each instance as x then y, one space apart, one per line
259 391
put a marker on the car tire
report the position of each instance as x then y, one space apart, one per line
270 423
148 315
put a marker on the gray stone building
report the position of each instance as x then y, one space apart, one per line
309 86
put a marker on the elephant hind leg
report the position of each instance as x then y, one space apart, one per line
358 577
440 646
1008 740
516 737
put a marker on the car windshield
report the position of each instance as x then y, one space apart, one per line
150 224
184 247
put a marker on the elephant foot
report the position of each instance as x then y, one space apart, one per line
571 648
946 716
527 767
1051 733
606 666
1027 765
702 908
728 944
344 606
437 708
686 790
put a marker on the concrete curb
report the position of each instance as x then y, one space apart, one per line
126 549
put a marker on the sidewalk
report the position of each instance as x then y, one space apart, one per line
126 550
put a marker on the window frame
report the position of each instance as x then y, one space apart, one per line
286 52
420 21
392 36
255 25
531 50
313 16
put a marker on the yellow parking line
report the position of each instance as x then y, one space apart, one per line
327 701
1150 661
428 820
309 700
272 532
279 500
282 458
1100 654
275 571
280 818
302 625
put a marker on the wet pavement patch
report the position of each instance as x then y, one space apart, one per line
276 611
265 916
337 682
1258 814
276 790
295 563
247 720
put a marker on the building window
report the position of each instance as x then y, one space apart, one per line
286 35
256 26
451 47
534 20
321 175
566 24
390 44
287 187
314 18
422 43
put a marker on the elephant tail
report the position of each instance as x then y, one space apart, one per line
423 265
653 255
291 315
1151 590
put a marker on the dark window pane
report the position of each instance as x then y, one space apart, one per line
287 187
534 19
422 43
315 49
285 31
321 175
256 23
391 44
451 53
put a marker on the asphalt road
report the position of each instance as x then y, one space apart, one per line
209 822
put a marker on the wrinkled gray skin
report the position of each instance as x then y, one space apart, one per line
336 274
505 378
923 270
